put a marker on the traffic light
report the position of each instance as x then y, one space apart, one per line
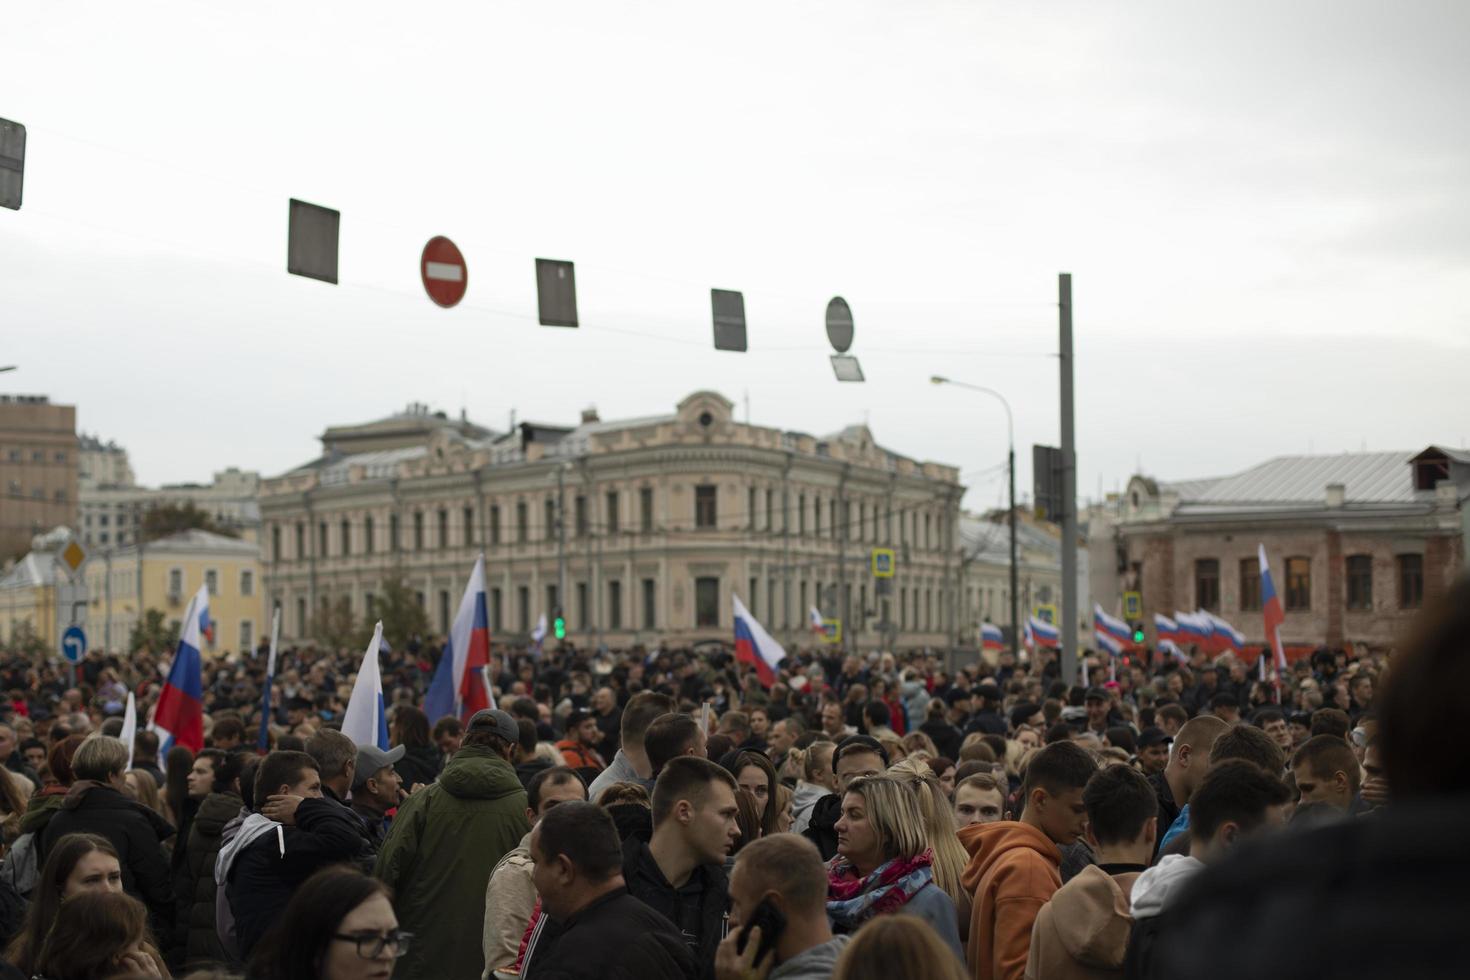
559 627
1138 635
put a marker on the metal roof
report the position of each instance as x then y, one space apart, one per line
1366 478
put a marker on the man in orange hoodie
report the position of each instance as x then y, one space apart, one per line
1082 933
1015 865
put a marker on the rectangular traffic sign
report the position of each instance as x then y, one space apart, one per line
883 562
12 163
831 631
1132 605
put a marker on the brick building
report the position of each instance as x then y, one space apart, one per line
1356 542
38 470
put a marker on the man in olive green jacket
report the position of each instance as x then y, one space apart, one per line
444 843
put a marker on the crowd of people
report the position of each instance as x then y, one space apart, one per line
660 814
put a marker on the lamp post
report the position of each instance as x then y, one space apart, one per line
1011 474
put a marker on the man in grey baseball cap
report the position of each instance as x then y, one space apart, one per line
376 789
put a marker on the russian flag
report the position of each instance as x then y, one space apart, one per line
439 699
1196 629
1108 643
1028 638
469 640
206 625
1167 630
179 717
1227 636
366 721
991 638
1043 633
1112 626
814 617
754 646
1275 615
538 636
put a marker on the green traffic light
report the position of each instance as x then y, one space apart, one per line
560 628
1138 636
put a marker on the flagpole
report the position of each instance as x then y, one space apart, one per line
263 743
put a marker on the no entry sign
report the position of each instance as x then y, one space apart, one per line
444 272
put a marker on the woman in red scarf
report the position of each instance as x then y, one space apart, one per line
883 864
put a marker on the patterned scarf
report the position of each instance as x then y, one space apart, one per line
851 900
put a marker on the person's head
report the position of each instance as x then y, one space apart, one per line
287 773
1121 737
876 715
817 766
201 774
1052 791
336 758
978 799
694 802
1027 715
410 727
1252 745
1326 771
1273 723
857 756
1098 705
93 933
1122 810
1331 721
760 721
1235 799
641 711
1190 757
754 773
1171 718
33 750
786 871
880 821
889 946
577 856
375 783
783 735
496 730
832 722
552 787
75 863
944 770
145 746
582 728
671 736
228 733
1226 707
735 724
1153 750
339 925
448 734
101 758
1300 727
604 701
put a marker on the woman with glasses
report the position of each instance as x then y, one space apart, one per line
338 926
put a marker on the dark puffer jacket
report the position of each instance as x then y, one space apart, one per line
196 885
699 910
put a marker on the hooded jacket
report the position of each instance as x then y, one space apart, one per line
420 764
1155 893
816 963
1082 933
196 885
802 801
700 910
821 828
615 937
1014 870
438 856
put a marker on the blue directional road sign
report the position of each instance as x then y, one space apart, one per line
73 644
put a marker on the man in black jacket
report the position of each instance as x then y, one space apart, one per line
293 834
592 927
680 873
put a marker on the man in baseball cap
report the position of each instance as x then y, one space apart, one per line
376 789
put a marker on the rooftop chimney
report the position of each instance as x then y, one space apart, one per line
1336 495
589 415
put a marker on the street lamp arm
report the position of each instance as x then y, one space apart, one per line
1010 421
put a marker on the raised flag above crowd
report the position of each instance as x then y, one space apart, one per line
179 717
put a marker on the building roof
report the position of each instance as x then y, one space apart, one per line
1365 477
37 568
195 541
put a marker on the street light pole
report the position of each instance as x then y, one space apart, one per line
1011 473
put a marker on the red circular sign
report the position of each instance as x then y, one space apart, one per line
444 271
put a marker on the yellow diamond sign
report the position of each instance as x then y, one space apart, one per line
74 556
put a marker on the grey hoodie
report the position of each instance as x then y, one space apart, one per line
816 963
806 796
237 835
1158 887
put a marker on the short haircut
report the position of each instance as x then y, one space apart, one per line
877 712
668 737
1059 768
794 724
99 757
229 770
686 777
1200 733
1174 712
228 727
547 778
1060 732
525 708
585 834
818 760
893 813
1119 802
977 751
1234 791
1267 716
332 751
1326 755
790 865
1224 700
859 743
735 721
448 725
526 735
1251 744
985 781
145 745
641 711
1021 712
1122 736
1331 721
280 768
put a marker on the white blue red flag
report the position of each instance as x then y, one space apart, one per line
991 637
754 646
469 641
1166 630
1227 637
1043 634
179 717
1197 630
1275 615
366 721
814 618
1107 642
538 635
264 741
1111 626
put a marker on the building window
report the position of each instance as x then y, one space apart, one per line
495 621
444 610
321 539
443 528
704 507
247 581
1411 581
649 608
612 512
801 599
645 509
615 605
1360 581
523 607
832 527
1250 585
1207 584
102 520
771 600
469 527
750 508
752 596
102 537
247 635
300 541
301 616
706 602
494 524
418 530
392 532
801 515
370 604
346 540
175 582
59 496
1298 584
523 522
276 543
583 613
211 580
579 511
553 604
817 516
367 535
550 519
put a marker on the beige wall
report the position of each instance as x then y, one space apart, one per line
38 471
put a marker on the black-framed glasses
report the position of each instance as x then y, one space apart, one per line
370 945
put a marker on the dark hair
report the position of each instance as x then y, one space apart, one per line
1328 754
291 743
1119 802
295 946
859 743
1022 711
546 778
1224 700
249 763
1060 732
228 726
1251 744
217 759
176 766
526 735
46 896
1331 721
877 714
686 777
668 737
772 812
58 760
280 768
585 834
1233 791
1122 736
333 752
91 930
410 726
1058 768
448 725
747 818
1172 710
1266 716
145 745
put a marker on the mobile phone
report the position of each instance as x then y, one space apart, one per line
771 922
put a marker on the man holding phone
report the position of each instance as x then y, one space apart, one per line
778 914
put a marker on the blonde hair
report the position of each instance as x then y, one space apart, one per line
949 856
917 742
624 792
98 757
893 810
889 946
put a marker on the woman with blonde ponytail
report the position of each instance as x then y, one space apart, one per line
949 855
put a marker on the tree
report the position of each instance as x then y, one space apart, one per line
334 626
163 520
399 609
152 634
25 640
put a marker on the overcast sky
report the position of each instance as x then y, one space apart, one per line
1265 207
